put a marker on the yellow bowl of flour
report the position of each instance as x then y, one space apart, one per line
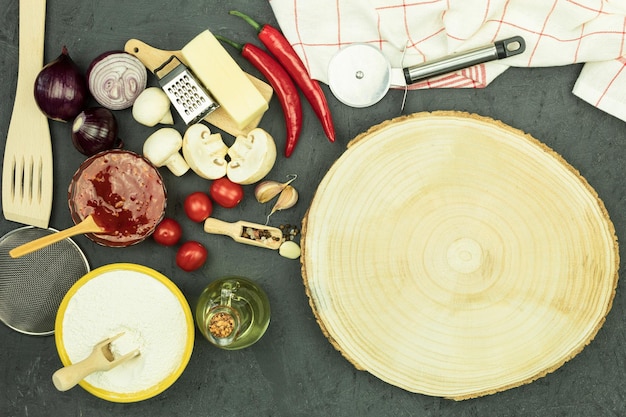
152 313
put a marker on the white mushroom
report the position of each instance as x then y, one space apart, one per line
152 106
161 148
251 157
205 152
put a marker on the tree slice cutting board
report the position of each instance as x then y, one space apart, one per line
153 58
451 255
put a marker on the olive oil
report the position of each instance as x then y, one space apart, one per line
233 312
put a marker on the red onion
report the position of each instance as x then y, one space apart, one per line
116 78
61 89
95 130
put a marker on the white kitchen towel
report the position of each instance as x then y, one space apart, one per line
408 32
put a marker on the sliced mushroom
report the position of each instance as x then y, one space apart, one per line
205 152
251 157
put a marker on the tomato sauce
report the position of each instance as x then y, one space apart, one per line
124 194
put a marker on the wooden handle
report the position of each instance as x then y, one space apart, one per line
150 56
67 377
220 227
32 18
27 170
236 231
86 226
100 359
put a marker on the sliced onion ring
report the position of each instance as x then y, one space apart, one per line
116 78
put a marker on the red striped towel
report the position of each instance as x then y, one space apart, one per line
557 32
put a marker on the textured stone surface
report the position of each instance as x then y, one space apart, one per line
293 370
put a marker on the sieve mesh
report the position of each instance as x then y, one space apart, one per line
32 286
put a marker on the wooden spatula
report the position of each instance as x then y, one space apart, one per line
27 167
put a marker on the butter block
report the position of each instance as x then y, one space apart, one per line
223 77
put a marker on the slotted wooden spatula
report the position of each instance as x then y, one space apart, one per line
27 167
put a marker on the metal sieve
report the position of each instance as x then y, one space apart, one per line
32 286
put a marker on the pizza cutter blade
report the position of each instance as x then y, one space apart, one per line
359 75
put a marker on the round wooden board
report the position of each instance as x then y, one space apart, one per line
452 255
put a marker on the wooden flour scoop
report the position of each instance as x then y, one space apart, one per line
27 167
100 359
153 58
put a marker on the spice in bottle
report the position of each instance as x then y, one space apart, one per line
221 325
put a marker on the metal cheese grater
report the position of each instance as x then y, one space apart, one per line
188 96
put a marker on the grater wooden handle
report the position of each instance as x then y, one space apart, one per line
153 58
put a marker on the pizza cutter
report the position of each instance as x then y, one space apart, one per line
359 75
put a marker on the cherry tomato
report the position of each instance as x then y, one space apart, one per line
167 232
198 206
225 192
191 255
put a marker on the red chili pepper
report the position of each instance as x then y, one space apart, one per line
280 47
283 85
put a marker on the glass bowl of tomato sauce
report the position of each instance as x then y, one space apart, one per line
123 192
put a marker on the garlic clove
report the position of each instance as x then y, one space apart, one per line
266 190
289 249
288 198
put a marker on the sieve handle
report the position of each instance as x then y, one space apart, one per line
88 225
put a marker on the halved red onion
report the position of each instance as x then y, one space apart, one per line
60 88
95 130
116 78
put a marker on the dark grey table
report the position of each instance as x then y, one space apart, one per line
293 370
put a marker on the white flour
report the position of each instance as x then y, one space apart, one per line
150 316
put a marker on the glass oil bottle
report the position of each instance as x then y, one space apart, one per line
233 312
